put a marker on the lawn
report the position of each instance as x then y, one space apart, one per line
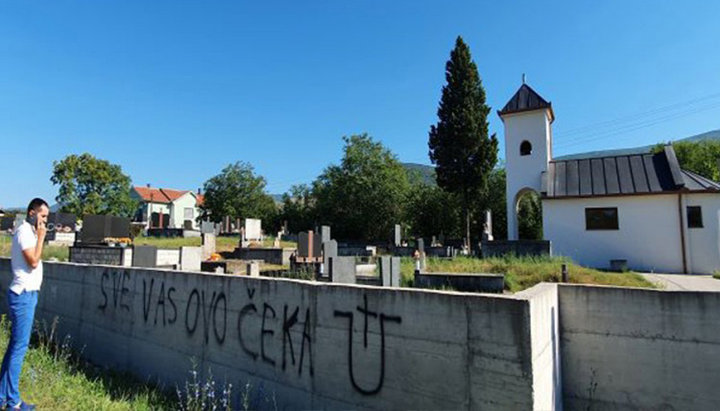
524 272
60 253
222 244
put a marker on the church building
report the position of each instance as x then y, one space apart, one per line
641 210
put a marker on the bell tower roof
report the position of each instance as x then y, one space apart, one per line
526 99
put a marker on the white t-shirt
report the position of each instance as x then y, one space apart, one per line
25 277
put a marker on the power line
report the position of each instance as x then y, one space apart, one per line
637 116
637 125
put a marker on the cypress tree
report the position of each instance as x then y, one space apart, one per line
459 145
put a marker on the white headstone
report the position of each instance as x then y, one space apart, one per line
253 229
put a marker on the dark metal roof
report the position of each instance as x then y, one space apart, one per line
622 175
526 99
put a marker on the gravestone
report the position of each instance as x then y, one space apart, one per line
395 270
208 245
304 239
330 250
385 271
253 269
342 270
421 251
208 227
487 234
390 271
324 233
7 223
276 242
317 246
226 228
144 256
96 228
397 236
61 222
190 258
253 229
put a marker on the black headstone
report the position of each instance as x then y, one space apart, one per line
93 229
7 223
98 227
62 222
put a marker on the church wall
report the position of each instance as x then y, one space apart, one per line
648 236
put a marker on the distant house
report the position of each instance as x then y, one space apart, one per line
167 208
2 212
642 210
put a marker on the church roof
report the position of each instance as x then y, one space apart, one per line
526 99
635 174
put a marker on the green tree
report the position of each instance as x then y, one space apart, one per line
364 196
298 208
494 200
530 217
433 211
237 193
700 157
459 143
89 185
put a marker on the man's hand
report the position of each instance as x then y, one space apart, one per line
41 230
34 254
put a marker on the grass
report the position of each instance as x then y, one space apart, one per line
524 272
54 379
222 243
58 252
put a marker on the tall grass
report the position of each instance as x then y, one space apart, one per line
525 272
54 378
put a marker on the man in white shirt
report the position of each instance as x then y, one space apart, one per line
22 296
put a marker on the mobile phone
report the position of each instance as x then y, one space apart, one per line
32 219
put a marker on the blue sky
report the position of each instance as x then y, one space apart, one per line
175 90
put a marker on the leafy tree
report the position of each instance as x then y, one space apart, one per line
459 143
364 196
433 211
237 193
530 217
700 157
494 200
298 208
89 185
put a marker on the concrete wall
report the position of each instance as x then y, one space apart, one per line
639 349
499 248
648 236
703 244
314 345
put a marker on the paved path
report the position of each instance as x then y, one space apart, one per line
679 282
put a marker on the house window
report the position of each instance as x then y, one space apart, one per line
525 148
188 213
694 217
601 218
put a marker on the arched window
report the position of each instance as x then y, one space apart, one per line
525 148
